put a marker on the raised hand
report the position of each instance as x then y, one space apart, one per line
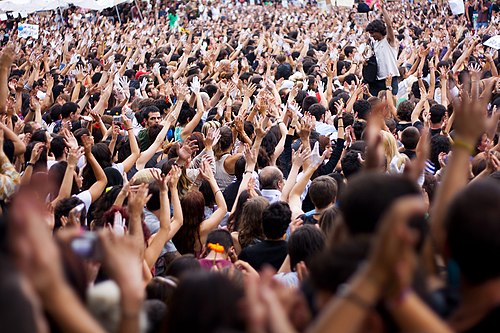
195 85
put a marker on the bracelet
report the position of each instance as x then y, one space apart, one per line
128 129
248 171
463 145
388 88
30 164
217 191
354 298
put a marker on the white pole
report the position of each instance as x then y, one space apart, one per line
118 14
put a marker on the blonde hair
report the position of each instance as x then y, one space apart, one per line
394 160
208 125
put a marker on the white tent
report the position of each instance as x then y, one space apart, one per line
30 6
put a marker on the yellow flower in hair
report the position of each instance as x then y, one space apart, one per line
216 247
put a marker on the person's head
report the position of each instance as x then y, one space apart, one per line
250 224
376 29
349 51
275 220
151 115
182 266
368 196
225 141
473 231
439 144
350 163
318 111
327 221
221 237
58 147
69 212
271 178
405 108
161 288
362 109
323 192
211 294
308 102
410 137
69 110
438 112
193 209
305 243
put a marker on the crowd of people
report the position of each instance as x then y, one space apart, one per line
232 167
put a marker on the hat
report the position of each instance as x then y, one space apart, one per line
140 73
287 84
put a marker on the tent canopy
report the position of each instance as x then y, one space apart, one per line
31 6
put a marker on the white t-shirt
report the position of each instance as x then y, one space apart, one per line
387 59
86 197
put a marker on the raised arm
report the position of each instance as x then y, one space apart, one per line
388 23
129 162
213 221
470 123
98 187
153 251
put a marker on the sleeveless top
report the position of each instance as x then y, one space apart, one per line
221 176
387 59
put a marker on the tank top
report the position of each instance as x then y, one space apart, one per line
221 176
387 59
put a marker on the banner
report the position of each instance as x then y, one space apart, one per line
457 7
27 30
345 3
493 42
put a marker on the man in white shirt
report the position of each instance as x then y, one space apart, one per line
386 51
271 183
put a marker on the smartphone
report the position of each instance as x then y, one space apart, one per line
87 246
117 120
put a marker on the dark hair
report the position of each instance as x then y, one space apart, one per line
410 137
193 209
350 163
154 202
362 108
68 108
56 175
57 147
323 191
368 196
308 102
317 110
439 144
221 237
275 220
473 231
349 50
63 208
377 26
405 109
213 295
327 220
437 112
180 266
160 289
250 226
145 112
305 243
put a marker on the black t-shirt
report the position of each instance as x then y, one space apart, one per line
363 8
489 324
266 252
410 153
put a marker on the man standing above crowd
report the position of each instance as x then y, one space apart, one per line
386 51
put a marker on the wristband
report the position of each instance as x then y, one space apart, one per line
248 171
128 129
30 164
463 145
217 191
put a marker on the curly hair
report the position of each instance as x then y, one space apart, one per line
377 26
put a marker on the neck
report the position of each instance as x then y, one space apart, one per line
477 301
214 255
321 210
